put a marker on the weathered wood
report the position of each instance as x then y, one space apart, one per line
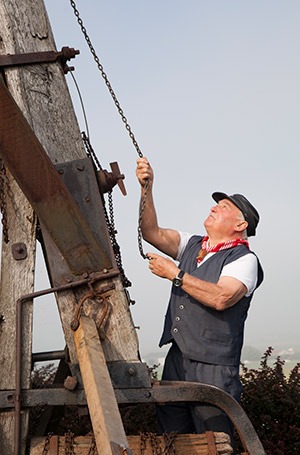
17 279
104 412
42 94
184 444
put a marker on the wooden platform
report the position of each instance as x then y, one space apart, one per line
146 444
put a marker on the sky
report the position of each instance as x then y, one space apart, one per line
211 90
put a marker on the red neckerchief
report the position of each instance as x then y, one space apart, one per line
219 247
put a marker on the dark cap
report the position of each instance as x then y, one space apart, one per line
250 213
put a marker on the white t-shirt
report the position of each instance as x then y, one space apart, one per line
243 269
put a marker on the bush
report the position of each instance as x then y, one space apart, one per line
270 399
272 402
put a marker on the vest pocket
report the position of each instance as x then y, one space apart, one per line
216 337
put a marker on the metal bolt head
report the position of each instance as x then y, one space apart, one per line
131 371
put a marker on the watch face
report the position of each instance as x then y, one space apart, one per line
177 282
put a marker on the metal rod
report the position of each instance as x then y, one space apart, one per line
18 390
48 356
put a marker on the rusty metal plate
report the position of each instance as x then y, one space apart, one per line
60 215
80 179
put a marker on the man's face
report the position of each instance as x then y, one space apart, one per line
223 218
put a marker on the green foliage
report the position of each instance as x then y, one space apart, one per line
43 376
272 402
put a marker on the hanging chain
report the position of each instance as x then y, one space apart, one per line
47 444
69 443
169 443
92 449
3 208
124 119
110 220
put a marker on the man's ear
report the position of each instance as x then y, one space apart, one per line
241 225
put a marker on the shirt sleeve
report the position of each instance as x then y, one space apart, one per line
184 238
243 269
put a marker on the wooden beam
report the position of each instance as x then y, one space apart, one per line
41 93
104 412
55 207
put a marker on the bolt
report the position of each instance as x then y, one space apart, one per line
80 167
61 171
74 325
70 383
131 371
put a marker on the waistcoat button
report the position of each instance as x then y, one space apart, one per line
175 330
181 307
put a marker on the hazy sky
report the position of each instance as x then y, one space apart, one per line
211 90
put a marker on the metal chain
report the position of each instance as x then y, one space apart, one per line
3 207
141 213
169 443
121 112
156 449
143 442
110 220
47 444
92 449
69 443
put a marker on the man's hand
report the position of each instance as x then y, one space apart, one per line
161 266
144 171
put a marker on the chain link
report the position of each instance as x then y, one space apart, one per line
169 443
169 447
92 449
47 444
121 112
69 443
3 183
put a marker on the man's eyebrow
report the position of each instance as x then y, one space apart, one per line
226 202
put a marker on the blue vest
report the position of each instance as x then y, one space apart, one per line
204 334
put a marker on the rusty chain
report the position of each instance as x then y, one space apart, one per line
110 220
47 444
121 112
169 448
3 182
143 442
69 443
93 448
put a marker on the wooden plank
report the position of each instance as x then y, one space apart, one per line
104 412
17 279
184 444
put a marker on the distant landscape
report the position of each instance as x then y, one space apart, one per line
251 357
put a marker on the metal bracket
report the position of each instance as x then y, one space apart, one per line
66 53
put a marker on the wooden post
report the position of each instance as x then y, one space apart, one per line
42 95
105 416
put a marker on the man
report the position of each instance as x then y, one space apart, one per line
211 293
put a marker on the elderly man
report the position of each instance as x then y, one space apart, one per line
211 292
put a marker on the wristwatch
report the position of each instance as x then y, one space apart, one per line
177 281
